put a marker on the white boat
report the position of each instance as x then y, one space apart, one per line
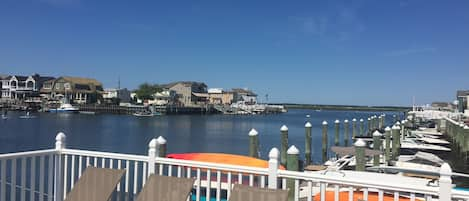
412 145
143 114
65 107
27 116
4 116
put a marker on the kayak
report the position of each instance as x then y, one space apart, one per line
222 158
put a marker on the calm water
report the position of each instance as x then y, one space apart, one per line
184 133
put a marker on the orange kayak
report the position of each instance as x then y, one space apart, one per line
358 195
222 158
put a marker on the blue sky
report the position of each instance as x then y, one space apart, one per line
324 52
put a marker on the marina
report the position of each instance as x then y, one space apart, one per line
223 173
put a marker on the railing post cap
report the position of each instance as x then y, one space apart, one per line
253 132
445 170
324 123
360 143
153 143
161 140
308 125
361 120
387 128
336 121
274 153
377 133
284 128
354 119
60 136
346 121
293 150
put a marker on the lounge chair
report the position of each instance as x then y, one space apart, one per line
96 184
247 193
164 188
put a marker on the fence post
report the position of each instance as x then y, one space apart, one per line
308 138
445 183
253 144
292 165
376 146
273 167
336 136
360 155
346 132
151 156
58 167
161 146
324 141
354 128
284 147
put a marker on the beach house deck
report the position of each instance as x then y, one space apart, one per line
50 174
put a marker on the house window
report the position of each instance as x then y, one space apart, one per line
30 84
13 84
67 86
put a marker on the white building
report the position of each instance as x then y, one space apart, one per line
21 87
123 95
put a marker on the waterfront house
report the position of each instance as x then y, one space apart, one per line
74 89
22 87
244 95
164 97
116 96
189 94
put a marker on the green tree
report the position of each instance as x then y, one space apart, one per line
146 91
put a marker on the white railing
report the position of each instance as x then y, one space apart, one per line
61 167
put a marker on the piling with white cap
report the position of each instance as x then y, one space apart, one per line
362 127
308 138
376 146
253 143
354 128
346 132
284 147
336 136
360 155
292 165
387 145
370 126
396 141
324 141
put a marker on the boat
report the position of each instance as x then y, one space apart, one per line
27 116
227 159
65 107
411 146
143 114
4 115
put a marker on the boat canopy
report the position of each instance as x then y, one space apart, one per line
343 151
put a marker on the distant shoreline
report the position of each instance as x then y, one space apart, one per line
345 107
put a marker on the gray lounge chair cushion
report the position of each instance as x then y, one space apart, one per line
164 188
96 184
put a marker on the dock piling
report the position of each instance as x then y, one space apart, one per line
376 146
354 128
308 138
336 136
253 143
284 147
346 132
395 131
324 141
387 141
360 155
292 165
362 127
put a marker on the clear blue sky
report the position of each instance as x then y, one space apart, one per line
325 52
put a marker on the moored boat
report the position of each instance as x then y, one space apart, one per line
66 107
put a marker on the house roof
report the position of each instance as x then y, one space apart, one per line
80 80
244 91
185 83
21 78
3 76
462 93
